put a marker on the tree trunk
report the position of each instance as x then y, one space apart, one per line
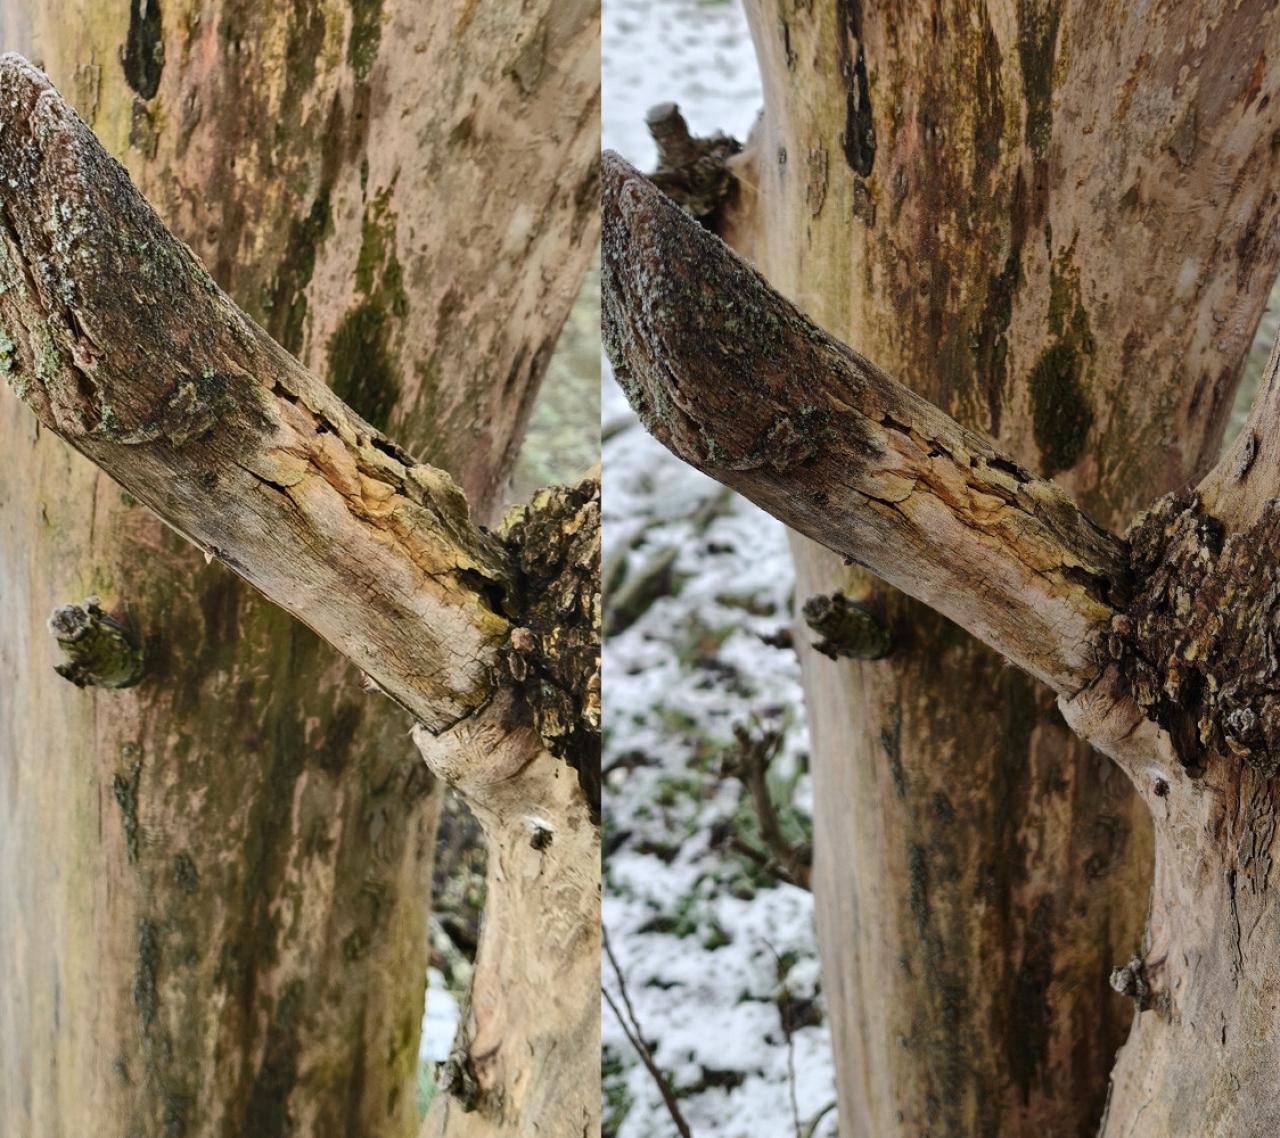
215 922
1053 221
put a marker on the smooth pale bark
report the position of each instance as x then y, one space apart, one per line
1054 221
528 1053
220 920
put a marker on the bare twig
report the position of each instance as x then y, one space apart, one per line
811 1127
784 1017
750 763
631 1029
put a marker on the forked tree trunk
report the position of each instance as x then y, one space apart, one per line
215 904
1057 223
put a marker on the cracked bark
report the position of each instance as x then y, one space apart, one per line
325 167
993 874
821 438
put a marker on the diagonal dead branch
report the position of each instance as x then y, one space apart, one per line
733 379
118 339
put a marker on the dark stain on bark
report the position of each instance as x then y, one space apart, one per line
288 304
146 999
858 142
988 126
1030 1010
267 1113
340 733
1038 22
143 54
124 788
891 741
991 340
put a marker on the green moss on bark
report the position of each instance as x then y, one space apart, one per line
1038 22
362 363
287 303
1061 413
366 36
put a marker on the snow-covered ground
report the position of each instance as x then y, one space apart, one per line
715 953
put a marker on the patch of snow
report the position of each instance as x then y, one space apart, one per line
440 1022
711 949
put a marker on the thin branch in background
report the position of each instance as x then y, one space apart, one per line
631 1029
750 764
783 1004
811 1127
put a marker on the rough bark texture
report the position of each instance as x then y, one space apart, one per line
527 1055
219 923
1055 221
734 380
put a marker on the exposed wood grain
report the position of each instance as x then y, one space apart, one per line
123 345
737 382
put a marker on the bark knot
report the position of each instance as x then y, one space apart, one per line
691 171
847 628
101 651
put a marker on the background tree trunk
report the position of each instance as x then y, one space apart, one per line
214 915
1053 220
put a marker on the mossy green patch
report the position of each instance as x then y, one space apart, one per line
362 366
1037 45
1060 408
305 44
287 302
1061 415
361 369
366 36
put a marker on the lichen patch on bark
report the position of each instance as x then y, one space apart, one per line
1200 641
